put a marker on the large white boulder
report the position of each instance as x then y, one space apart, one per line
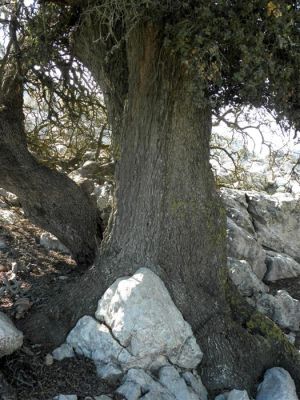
277 385
144 319
11 339
277 219
280 266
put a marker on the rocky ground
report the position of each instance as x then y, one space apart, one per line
262 245
39 274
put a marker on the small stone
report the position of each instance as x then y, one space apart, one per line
130 390
49 360
66 397
63 351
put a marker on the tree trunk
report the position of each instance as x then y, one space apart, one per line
169 218
50 199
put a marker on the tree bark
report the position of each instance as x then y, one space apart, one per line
169 218
50 199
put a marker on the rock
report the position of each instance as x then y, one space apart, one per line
51 242
146 384
244 278
238 395
194 381
277 385
130 390
276 218
49 360
66 397
11 198
103 196
280 266
170 378
94 341
11 339
63 351
2 245
233 395
243 246
236 208
281 308
8 216
144 319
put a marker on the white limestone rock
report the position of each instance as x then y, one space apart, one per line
63 351
280 266
233 395
11 339
281 308
144 319
277 385
94 341
51 242
195 383
247 282
170 378
138 379
277 219
243 246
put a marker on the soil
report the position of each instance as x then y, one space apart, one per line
40 275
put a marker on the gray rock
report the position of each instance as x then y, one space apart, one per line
144 319
280 266
130 390
281 308
11 339
147 384
277 218
51 242
66 397
277 385
238 395
236 208
63 351
247 282
233 395
3 245
194 381
243 246
170 378
94 341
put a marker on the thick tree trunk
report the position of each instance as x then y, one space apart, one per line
169 218
50 199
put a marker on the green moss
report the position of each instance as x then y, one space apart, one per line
260 324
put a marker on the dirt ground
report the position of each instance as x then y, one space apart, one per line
40 274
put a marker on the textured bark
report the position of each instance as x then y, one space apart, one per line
169 218
50 199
